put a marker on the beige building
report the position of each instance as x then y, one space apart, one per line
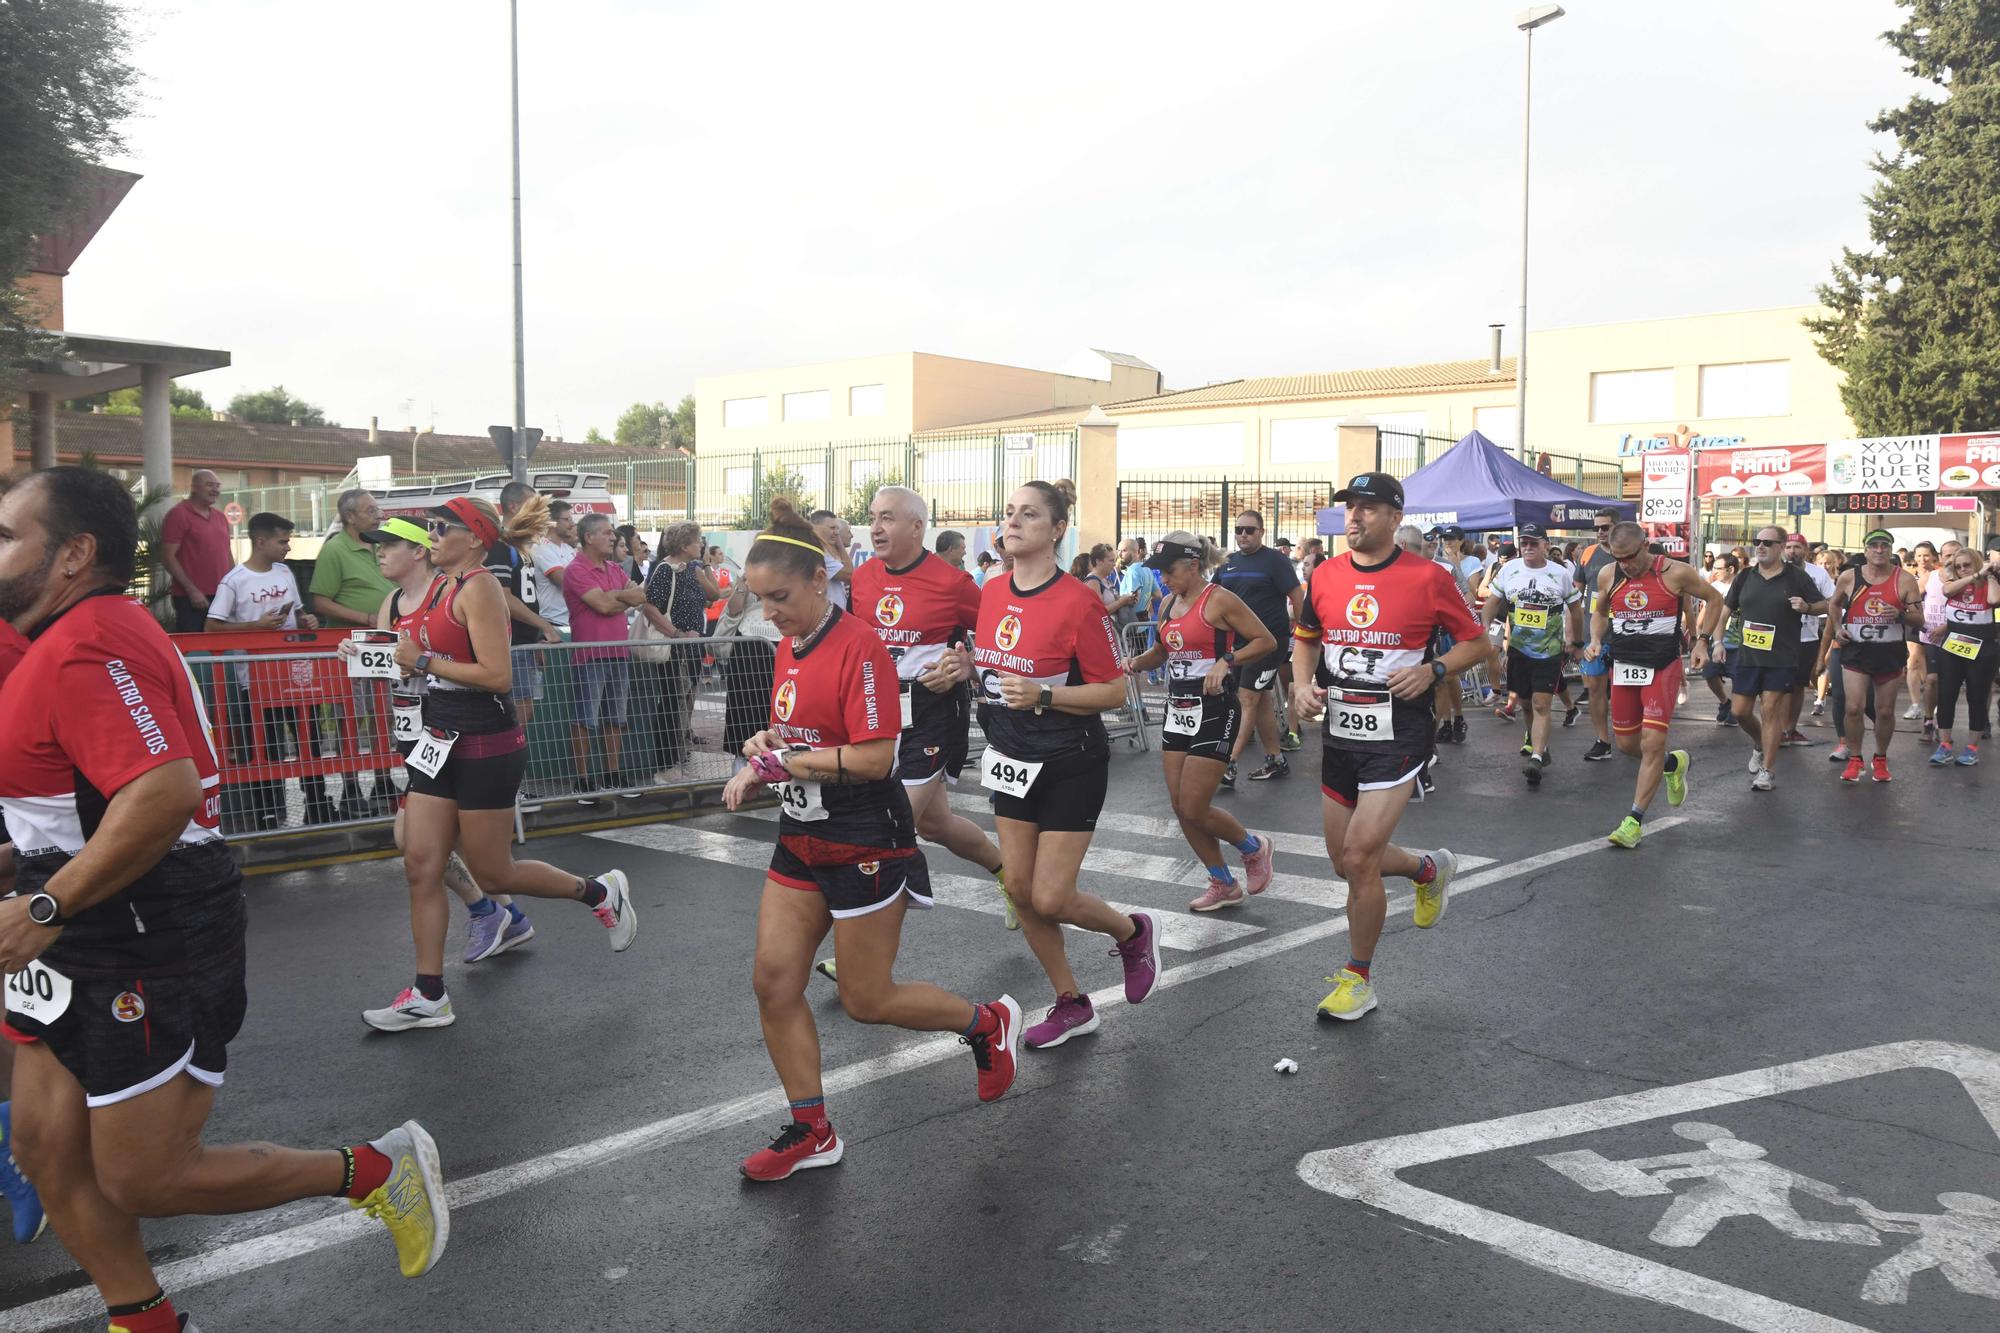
898 395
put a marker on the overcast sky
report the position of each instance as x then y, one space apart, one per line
1222 190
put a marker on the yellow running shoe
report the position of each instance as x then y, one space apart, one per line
1352 997
1627 834
412 1203
1677 781
1433 897
1000 883
826 969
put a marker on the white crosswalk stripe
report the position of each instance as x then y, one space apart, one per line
1178 930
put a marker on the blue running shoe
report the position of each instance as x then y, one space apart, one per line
482 935
1968 755
1940 756
29 1220
518 932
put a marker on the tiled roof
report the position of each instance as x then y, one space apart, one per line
1433 376
329 449
1052 418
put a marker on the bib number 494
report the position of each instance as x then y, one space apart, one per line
1009 777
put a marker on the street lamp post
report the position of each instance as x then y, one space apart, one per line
520 459
1527 21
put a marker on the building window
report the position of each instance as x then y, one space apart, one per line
745 412
1498 424
736 481
812 405
867 400
1747 389
1217 445
1305 440
1631 395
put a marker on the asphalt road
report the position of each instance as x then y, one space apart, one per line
592 1109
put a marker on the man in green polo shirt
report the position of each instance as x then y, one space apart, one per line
347 590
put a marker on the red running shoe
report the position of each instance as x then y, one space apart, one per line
1880 769
993 1052
1852 773
796 1148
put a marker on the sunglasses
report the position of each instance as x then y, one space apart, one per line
1602 527
1245 532
1762 542
438 527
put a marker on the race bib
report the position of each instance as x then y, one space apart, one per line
39 992
1531 617
1961 645
1009 777
409 721
909 701
1763 638
1628 673
1183 716
374 655
800 801
1360 715
433 748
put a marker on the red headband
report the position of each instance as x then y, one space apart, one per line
475 522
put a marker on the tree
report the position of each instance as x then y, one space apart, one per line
594 436
641 426
780 480
187 403
1915 323
66 83
855 507
275 407
680 425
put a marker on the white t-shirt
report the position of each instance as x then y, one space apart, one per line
836 591
551 555
1809 626
245 595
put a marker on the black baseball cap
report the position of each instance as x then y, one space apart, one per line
1377 486
1452 533
1534 530
1285 542
1174 547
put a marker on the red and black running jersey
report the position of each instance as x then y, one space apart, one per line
1875 611
1057 634
1645 617
840 689
1371 621
448 704
100 699
918 610
1193 646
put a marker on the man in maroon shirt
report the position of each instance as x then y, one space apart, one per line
194 545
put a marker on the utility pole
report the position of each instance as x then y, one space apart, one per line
520 451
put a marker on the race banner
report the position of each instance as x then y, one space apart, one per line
1663 496
1734 474
1880 464
1969 462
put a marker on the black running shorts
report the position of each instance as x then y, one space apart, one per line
1882 661
935 740
1067 796
174 1010
483 771
1529 676
1345 774
851 887
1221 718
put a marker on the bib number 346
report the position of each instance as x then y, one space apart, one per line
1009 777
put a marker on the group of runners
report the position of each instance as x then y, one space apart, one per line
124 940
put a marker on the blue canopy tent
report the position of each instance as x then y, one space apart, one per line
1478 486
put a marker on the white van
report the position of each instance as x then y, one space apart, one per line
586 492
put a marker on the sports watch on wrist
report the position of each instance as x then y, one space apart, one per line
44 910
1437 669
1044 699
423 662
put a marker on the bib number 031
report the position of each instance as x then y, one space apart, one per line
1009 777
433 748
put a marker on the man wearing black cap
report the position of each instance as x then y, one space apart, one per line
1269 586
1544 610
1374 613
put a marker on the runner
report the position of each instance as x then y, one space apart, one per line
1048 665
1725 646
1197 623
1638 601
1592 561
922 608
1378 611
1967 654
1873 606
465 767
125 943
847 857
1543 608
1467 569
1771 598
25 1205
403 551
1264 580
1798 553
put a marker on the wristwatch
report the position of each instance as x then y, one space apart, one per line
1230 657
1437 669
44 910
1044 699
423 662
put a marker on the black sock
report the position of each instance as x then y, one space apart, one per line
430 987
1672 764
591 892
157 1299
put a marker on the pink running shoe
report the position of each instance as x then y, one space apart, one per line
1141 956
1219 893
1257 866
1070 1016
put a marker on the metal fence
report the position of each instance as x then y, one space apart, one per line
303 747
1208 506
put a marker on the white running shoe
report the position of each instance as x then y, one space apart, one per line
1756 762
617 911
1763 781
411 1010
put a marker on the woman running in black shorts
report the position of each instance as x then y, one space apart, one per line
847 857
465 767
1048 664
1197 623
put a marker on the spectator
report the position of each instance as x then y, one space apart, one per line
1098 568
1310 559
347 590
951 548
551 558
749 659
986 562
682 588
1284 545
194 546
261 593
527 626
633 553
599 596
838 539
718 569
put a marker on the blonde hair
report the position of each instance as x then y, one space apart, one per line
526 525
